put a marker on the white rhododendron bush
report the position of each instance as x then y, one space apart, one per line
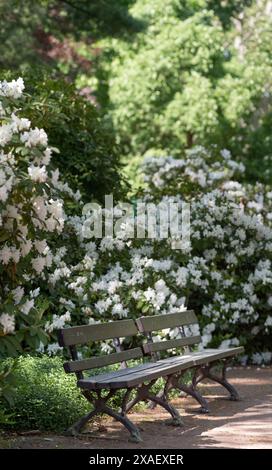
53 275
225 275
31 217
231 238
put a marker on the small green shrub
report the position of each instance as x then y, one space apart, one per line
46 397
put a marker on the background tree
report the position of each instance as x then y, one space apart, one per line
198 74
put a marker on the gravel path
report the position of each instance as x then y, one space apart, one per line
243 424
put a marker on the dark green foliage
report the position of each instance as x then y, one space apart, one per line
88 158
227 10
7 391
34 32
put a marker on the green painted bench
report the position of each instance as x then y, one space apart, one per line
99 389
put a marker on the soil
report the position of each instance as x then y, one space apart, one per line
243 424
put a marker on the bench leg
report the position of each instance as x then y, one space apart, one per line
135 435
174 383
143 394
101 407
189 390
176 418
75 429
205 372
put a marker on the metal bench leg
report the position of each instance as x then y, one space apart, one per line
189 390
206 373
135 435
143 394
101 407
177 420
75 429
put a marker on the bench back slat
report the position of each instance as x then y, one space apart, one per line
161 322
171 344
102 361
84 334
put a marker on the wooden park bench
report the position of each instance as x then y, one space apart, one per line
138 379
201 363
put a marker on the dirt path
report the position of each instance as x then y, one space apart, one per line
243 424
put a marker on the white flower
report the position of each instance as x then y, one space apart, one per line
47 157
3 193
103 305
225 154
34 137
182 277
27 306
19 124
37 173
161 286
34 293
2 110
7 322
15 254
40 349
106 348
5 254
209 328
206 338
268 321
119 310
13 89
58 322
53 349
26 247
41 246
5 134
18 294
55 177
39 205
38 264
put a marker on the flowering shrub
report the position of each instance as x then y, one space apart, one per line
198 170
225 274
32 213
116 278
231 238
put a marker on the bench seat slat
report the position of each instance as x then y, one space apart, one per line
205 356
101 361
171 344
170 320
97 332
137 375
199 357
131 379
121 372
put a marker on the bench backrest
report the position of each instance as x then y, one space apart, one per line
147 325
80 335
